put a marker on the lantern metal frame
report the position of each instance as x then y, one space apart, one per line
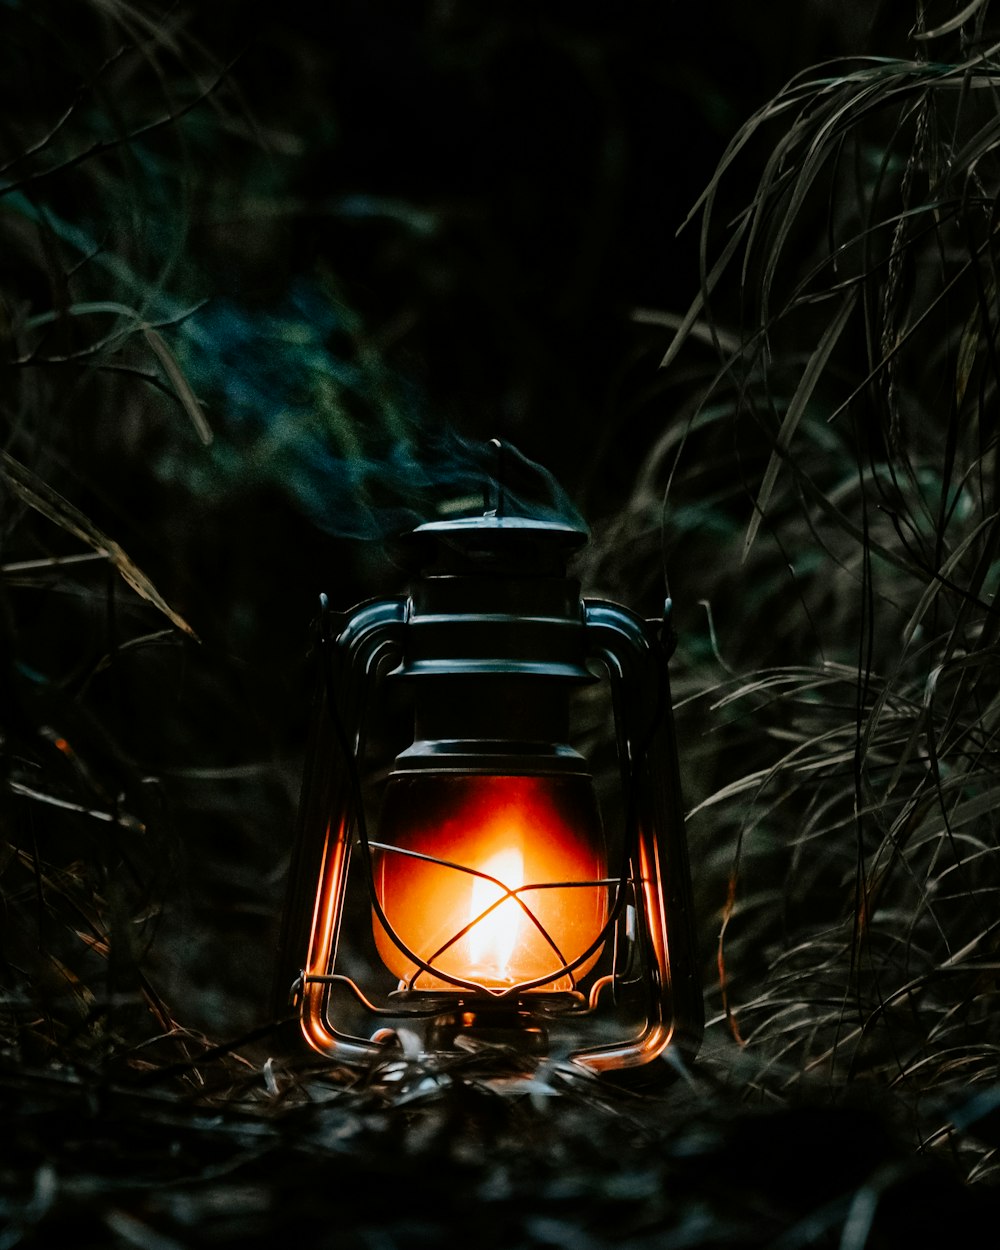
491 603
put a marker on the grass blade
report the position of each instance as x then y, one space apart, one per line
30 488
797 406
182 388
953 23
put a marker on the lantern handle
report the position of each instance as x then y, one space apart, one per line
347 649
635 653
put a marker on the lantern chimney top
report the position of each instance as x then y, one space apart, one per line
533 540
502 545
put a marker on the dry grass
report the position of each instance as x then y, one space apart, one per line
847 686
826 485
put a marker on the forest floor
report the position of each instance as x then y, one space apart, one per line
230 1153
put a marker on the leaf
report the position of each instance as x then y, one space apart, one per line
40 496
967 349
122 818
797 406
953 23
182 388
983 142
700 330
692 315
942 578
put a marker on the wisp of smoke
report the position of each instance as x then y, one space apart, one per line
298 404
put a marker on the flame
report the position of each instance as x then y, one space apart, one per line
493 938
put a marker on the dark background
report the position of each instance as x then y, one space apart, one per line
373 236
370 237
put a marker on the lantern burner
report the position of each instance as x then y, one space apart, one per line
507 1028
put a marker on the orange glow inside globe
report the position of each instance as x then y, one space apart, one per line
500 881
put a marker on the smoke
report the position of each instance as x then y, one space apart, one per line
427 475
299 403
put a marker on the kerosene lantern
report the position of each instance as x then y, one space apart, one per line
456 882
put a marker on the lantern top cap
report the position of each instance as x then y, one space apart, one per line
490 542
489 521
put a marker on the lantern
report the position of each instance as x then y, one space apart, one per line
457 878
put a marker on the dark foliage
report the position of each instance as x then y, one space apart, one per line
267 280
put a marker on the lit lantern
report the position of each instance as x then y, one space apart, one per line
455 874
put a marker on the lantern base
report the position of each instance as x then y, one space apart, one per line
511 1029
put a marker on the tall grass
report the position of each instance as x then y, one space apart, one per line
124 740
831 493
